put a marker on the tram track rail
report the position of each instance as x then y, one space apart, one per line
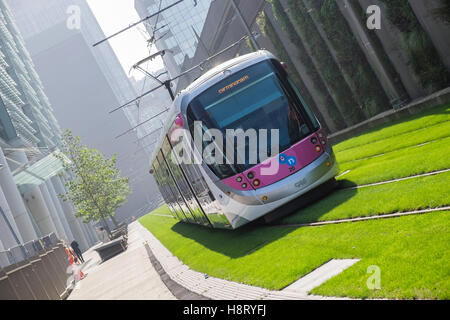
427 174
359 219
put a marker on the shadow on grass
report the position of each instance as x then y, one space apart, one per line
315 210
253 236
232 243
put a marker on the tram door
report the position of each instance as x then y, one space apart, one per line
178 198
167 192
206 200
183 184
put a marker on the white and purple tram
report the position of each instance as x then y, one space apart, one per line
248 92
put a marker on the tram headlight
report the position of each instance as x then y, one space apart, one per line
313 140
244 186
317 148
250 175
256 183
239 179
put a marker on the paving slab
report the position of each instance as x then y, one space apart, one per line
320 275
127 276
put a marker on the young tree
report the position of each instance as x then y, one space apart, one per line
97 188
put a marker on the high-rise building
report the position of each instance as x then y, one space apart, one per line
176 29
223 28
83 84
29 138
35 124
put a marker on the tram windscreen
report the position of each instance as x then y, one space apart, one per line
252 99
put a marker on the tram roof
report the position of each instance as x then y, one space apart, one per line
205 81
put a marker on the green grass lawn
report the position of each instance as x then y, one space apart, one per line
401 196
412 253
401 163
419 121
438 131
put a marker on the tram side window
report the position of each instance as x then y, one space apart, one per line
172 164
161 183
163 178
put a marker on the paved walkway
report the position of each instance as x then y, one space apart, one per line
210 287
127 276
131 276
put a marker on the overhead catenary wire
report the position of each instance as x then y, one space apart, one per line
150 43
137 23
181 74
146 146
142 123
147 135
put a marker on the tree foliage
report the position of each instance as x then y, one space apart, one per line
97 188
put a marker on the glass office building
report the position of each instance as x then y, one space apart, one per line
84 84
30 135
177 28
26 114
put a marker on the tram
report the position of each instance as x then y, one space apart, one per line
213 178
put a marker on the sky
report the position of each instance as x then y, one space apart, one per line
130 46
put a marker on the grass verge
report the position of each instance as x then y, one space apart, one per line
438 131
402 163
412 253
401 196
421 120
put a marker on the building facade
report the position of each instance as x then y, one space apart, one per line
346 77
176 30
84 84
30 176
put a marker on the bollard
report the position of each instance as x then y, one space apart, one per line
62 256
60 274
61 271
17 278
45 276
35 283
7 290
46 260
